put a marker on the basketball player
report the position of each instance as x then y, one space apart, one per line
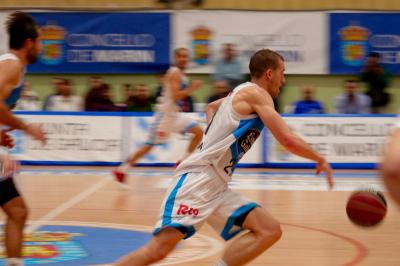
390 167
200 191
24 47
168 118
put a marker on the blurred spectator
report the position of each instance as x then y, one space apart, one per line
56 86
29 100
352 102
65 100
140 101
377 80
221 89
229 67
127 93
95 82
308 104
99 99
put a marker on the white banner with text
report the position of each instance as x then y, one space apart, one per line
300 37
72 138
340 139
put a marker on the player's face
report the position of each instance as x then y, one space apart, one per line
277 79
182 59
34 48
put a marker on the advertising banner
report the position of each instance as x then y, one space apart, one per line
72 138
341 140
82 42
354 35
299 37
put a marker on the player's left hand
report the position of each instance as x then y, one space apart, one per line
5 139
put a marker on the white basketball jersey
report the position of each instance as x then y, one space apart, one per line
227 138
165 103
16 92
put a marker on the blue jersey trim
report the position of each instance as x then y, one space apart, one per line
188 231
227 233
245 125
15 95
169 204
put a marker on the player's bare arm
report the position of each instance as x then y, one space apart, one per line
9 78
174 79
255 100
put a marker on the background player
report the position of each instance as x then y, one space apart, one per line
24 47
200 191
167 118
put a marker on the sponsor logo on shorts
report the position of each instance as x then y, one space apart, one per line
186 210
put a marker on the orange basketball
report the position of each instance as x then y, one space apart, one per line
366 207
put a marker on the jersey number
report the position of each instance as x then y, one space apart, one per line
229 168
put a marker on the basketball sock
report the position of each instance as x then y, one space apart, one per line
221 262
124 167
14 262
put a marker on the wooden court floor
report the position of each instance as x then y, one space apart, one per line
316 231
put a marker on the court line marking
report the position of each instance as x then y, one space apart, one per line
66 205
362 251
216 245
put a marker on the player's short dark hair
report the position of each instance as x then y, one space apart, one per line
262 60
178 50
20 27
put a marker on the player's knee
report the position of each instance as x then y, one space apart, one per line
271 234
19 215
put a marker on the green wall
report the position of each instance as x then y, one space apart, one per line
42 83
327 86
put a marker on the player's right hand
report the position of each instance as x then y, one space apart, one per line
8 165
36 131
324 166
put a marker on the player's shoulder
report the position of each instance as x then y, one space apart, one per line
254 94
174 70
11 68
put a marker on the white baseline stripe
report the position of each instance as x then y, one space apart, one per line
66 205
